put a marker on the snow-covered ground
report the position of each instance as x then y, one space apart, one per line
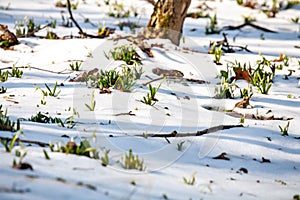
261 164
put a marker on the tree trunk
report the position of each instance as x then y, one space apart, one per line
167 19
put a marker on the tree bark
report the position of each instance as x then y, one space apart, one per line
167 19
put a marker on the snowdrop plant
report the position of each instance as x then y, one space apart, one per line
75 66
105 159
285 60
92 105
108 78
211 27
117 10
225 90
83 149
284 130
246 93
21 155
9 145
6 124
127 53
191 180
242 120
262 80
25 27
218 54
3 76
150 98
295 20
180 145
42 118
132 161
52 92
125 83
135 71
16 72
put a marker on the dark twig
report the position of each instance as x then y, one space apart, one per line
81 32
41 144
152 80
257 117
228 48
175 77
36 68
198 133
127 113
248 24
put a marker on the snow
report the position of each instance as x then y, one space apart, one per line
67 176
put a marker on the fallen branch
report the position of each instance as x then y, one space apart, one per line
41 144
152 80
198 133
247 24
127 113
175 77
226 47
81 32
36 68
257 117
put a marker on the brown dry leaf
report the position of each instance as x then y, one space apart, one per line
147 51
222 156
243 104
280 59
8 38
250 4
241 74
23 166
105 91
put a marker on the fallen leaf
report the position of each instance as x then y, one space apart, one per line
279 59
105 91
186 97
222 156
264 160
244 170
243 104
23 166
241 74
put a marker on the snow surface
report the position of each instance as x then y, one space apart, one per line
71 176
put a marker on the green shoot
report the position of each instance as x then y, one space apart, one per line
46 154
191 180
92 106
285 129
133 162
105 158
76 66
150 98
52 92
180 145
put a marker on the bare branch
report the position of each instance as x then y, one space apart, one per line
41 144
198 133
248 24
36 68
